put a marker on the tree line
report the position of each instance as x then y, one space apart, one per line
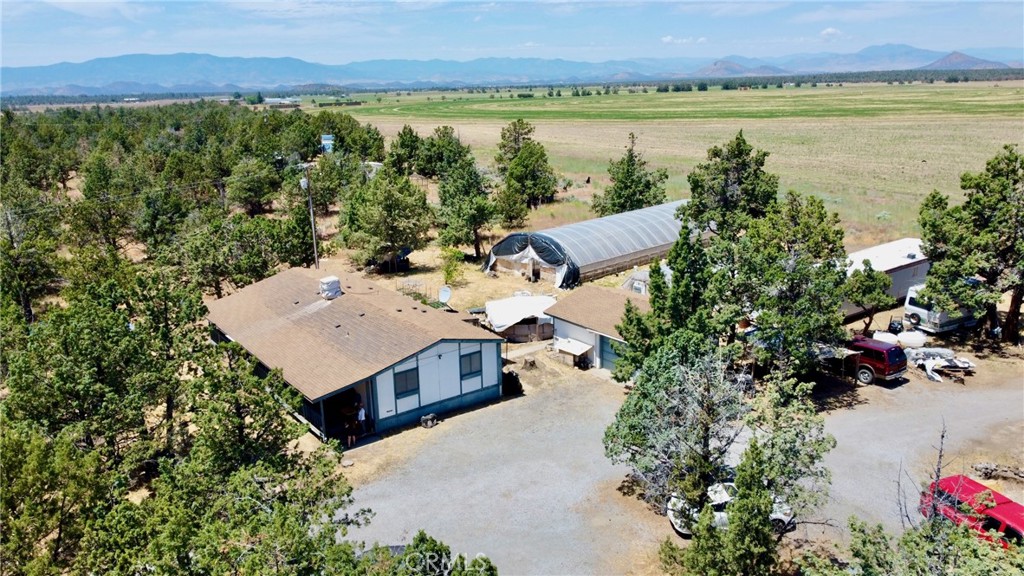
130 442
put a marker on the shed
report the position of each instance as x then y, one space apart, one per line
520 318
571 254
586 320
355 341
639 280
902 260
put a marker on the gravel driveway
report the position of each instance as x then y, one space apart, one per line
883 430
524 481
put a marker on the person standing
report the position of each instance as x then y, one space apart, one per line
361 418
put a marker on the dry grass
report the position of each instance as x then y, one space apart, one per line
873 171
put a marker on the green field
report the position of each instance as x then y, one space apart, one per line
871 151
836 101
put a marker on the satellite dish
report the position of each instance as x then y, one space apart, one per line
444 294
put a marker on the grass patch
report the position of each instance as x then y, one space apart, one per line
847 101
873 152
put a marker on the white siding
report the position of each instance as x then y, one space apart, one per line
449 376
565 329
903 279
386 394
472 384
407 365
408 403
492 371
430 391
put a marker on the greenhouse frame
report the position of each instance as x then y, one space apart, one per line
572 254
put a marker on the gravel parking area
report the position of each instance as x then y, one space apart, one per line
524 481
887 433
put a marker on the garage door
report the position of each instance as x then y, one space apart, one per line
608 356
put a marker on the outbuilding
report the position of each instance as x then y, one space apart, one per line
901 260
572 254
342 341
586 320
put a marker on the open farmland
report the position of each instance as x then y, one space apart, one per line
871 151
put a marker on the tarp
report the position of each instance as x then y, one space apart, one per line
510 311
525 246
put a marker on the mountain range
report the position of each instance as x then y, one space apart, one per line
204 73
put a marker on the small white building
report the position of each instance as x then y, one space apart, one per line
520 318
902 260
585 321
355 342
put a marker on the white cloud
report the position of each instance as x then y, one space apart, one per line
688 40
830 33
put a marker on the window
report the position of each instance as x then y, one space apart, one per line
991 524
471 365
407 383
918 304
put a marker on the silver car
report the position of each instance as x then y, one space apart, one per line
720 495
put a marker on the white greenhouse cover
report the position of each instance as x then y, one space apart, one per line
509 311
613 237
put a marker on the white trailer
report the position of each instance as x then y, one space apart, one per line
901 260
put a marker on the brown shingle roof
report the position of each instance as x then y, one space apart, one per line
324 345
597 308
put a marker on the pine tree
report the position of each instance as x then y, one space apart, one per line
634 185
750 542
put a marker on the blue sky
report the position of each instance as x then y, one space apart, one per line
38 33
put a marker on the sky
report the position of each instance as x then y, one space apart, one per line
42 32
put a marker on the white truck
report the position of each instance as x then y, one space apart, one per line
926 317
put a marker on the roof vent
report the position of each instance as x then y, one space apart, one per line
911 256
330 287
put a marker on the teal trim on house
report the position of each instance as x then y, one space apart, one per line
440 408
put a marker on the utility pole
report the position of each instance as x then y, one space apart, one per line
304 183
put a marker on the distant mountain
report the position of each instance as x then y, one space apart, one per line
730 69
870 59
961 61
720 69
203 73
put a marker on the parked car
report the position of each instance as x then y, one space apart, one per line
720 495
878 360
991 515
925 316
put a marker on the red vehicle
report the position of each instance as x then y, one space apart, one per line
878 360
964 501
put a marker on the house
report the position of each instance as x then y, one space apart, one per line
572 254
342 340
901 260
585 321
